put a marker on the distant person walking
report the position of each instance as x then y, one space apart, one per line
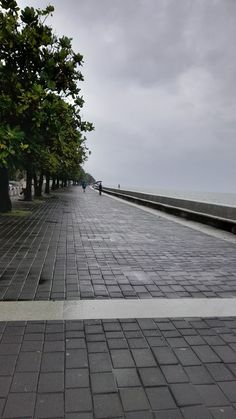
100 188
84 185
118 186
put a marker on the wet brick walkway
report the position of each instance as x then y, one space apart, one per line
129 369
81 246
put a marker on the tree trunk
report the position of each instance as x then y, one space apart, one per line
47 186
62 184
5 202
28 189
53 184
58 183
38 184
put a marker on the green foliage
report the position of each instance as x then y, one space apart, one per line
18 213
11 139
40 100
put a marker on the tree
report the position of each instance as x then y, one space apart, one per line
39 73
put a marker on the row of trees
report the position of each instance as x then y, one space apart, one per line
41 129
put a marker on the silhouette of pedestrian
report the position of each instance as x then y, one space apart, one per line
84 185
100 188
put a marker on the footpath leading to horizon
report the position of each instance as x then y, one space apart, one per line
82 246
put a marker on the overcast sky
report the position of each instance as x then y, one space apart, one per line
160 88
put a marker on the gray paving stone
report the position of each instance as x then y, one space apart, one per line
12 338
122 358
107 406
229 389
19 405
117 343
164 356
139 415
223 413
14 330
199 375
95 347
212 395
9 348
152 377
185 394
127 326
196 412
71 334
103 383
28 361
139 343
2 404
156 341
75 343
214 340
7 364
33 337
76 358
77 378
52 362
35 327
79 416
174 374
160 398
232 368
78 400
206 354
177 342
133 334
100 362
220 372
111 326
168 414
54 346
147 324
49 405
5 383
225 353
31 346
187 357
143 358
93 329
195 340
127 377
134 399
24 382
51 382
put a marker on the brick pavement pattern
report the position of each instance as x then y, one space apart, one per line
145 368
80 246
84 246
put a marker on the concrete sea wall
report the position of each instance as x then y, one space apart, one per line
221 216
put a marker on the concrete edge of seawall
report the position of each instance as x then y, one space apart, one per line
220 216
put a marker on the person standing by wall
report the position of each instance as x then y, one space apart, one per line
100 188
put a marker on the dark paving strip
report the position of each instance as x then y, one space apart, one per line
82 246
144 368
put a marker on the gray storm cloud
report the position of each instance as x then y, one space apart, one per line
159 87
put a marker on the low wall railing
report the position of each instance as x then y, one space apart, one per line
220 216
